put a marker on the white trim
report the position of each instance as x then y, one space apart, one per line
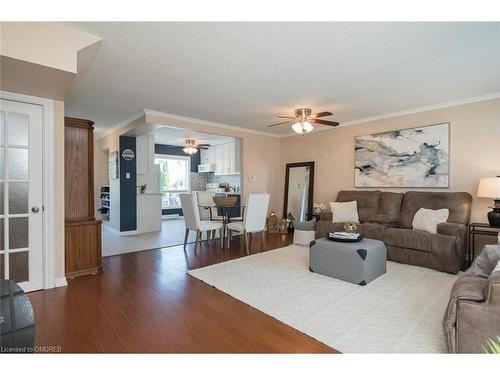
60 281
128 233
121 124
48 177
432 107
150 112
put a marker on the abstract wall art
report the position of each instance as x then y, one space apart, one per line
416 157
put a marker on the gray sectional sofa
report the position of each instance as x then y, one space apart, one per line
388 217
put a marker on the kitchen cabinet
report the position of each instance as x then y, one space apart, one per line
227 158
207 156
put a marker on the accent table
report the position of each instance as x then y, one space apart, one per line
481 229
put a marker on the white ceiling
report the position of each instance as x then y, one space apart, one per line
245 74
177 137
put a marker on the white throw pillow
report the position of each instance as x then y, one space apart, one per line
344 212
427 220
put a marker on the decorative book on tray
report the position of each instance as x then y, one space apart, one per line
345 236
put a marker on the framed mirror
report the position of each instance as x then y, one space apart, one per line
299 184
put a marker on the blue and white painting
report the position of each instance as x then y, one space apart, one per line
417 157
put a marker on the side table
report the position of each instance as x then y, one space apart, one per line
481 229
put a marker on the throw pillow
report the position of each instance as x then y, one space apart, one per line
305 225
427 220
344 212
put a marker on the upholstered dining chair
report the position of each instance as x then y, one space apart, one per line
254 219
190 209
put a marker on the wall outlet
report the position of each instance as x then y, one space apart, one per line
251 178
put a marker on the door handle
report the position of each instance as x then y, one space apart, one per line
35 209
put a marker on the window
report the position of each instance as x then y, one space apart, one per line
174 178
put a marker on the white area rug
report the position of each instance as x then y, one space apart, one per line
399 312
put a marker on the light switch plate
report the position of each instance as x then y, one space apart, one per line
127 175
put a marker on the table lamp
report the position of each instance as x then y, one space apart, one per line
490 188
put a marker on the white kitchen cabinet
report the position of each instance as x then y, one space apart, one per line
207 156
227 158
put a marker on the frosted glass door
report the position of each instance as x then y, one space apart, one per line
21 194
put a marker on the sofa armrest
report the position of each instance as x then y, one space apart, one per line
452 229
382 219
493 289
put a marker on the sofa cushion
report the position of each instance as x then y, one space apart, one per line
390 204
485 262
459 205
418 240
367 201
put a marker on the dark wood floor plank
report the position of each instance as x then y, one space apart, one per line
145 302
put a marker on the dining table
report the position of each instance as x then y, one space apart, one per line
225 218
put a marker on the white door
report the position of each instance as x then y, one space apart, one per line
21 192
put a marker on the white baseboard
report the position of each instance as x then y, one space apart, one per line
60 281
109 228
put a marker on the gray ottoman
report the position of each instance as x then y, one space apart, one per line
358 263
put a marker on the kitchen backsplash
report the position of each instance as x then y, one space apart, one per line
198 181
232 179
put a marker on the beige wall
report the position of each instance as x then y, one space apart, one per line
474 150
260 153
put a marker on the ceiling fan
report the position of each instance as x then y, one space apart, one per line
191 147
303 120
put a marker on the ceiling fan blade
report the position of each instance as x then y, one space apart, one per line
285 117
204 144
202 148
323 114
279 123
325 122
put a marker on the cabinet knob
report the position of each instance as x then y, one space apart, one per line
35 209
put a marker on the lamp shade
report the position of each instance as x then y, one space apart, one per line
489 187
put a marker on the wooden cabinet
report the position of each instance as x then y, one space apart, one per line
82 231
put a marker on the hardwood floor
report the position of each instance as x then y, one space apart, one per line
145 302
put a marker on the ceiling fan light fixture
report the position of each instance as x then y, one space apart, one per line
307 126
298 128
190 150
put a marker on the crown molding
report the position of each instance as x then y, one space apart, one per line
145 111
121 124
209 123
454 103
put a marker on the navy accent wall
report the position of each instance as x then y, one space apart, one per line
128 186
177 151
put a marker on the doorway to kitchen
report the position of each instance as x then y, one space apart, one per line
181 161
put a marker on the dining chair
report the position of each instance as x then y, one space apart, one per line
190 209
254 220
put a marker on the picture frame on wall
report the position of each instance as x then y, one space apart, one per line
406 158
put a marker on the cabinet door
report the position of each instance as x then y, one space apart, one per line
203 156
211 155
230 162
219 160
